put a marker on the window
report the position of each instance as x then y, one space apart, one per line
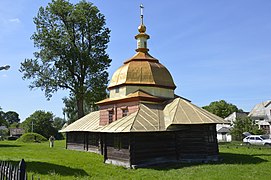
110 116
117 90
124 112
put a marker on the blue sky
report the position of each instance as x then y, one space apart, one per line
214 49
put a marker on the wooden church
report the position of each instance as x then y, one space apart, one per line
143 122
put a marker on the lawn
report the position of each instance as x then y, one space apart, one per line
239 162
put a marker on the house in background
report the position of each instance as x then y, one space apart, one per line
223 130
16 131
223 134
261 114
235 115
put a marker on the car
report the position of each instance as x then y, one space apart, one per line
257 140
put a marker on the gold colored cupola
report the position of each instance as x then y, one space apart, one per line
142 72
142 37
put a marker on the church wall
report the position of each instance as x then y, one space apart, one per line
197 142
186 143
84 141
117 147
118 111
155 91
152 148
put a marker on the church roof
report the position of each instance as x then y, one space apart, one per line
142 69
149 118
139 95
89 122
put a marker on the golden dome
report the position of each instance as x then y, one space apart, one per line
142 70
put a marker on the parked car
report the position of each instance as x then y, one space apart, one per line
257 140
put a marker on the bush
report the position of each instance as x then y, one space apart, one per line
31 137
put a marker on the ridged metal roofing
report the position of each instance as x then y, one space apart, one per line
259 109
149 117
142 69
180 111
90 122
139 94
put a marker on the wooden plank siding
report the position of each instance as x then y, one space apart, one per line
184 143
118 146
196 142
152 148
84 141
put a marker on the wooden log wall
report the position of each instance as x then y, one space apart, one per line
84 141
196 141
117 147
152 147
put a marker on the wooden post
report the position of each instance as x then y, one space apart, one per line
105 148
22 170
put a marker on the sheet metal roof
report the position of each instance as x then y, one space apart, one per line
149 117
180 111
90 122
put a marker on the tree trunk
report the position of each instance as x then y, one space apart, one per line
80 107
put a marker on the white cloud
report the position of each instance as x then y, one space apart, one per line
4 76
14 20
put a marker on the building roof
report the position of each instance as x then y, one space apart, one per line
259 109
149 118
137 95
89 122
224 130
142 69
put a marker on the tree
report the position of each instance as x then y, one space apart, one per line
72 42
11 117
3 122
242 125
58 123
70 108
42 123
222 108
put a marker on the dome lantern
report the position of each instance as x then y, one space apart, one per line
142 37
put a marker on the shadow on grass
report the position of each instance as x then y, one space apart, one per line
9 145
45 168
226 158
48 168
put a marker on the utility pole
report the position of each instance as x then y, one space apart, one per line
32 126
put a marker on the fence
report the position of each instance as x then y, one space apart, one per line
11 172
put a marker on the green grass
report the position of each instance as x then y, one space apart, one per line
239 162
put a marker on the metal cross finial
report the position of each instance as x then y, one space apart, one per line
141 13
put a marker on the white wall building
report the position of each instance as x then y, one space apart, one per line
261 114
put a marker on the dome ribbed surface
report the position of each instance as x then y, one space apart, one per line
142 69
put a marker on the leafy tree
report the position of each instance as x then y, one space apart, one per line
11 117
42 123
70 108
72 42
15 125
3 122
58 123
242 125
222 108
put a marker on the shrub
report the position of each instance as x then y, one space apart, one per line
31 137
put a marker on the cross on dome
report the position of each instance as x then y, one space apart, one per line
142 37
